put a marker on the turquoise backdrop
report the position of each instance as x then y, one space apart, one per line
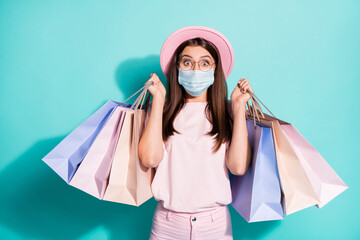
61 60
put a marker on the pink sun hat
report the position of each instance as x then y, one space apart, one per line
185 33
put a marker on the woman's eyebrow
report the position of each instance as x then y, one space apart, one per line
185 55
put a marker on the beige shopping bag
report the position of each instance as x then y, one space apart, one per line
130 181
324 179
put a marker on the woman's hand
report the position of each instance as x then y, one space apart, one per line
157 90
239 96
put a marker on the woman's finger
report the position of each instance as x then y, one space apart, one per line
247 88
242 84
246 81
153 75
154 78
239 85
243 87
157 79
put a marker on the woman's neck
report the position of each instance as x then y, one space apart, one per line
201 98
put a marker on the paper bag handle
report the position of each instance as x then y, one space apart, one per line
144 89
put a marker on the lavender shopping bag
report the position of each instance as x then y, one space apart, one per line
257 193
65 158
93 172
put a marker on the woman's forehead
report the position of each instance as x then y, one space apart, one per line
195 52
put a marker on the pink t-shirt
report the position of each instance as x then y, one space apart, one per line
190 178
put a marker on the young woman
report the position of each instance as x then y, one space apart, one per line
194 135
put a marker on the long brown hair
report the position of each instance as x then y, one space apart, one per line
216 96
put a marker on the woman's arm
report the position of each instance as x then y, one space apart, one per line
151 145
239 153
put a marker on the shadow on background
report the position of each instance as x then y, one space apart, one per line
132 74
256 230
37 203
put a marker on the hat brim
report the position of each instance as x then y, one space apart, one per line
185 33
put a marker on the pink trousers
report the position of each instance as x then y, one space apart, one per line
208 225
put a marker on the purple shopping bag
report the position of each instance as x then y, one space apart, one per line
257 193
65 158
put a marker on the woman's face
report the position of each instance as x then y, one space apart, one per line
196 54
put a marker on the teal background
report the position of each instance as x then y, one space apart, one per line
61 60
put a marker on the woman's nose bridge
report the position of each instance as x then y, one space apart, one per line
197 64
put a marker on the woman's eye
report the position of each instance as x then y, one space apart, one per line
204 63
187 62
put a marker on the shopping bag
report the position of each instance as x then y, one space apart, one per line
65 158
323 179
257 193
93 173
326 182
144 175
298 193
130 181
117 190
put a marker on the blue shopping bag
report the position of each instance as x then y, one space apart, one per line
257 193
66 157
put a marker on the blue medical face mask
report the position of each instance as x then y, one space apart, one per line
196 82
